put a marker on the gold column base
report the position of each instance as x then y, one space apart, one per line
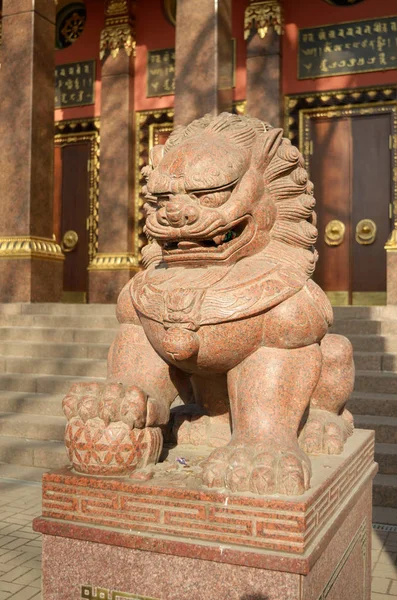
16 247
114 262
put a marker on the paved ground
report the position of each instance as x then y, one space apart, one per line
20 547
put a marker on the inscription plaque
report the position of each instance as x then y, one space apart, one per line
75 84
348 48
161 72
89 592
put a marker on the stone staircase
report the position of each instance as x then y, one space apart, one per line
373 333
44 347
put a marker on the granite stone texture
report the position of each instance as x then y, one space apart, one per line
264 77
203 56
173 538
104 286
27 92
30 280
391 277
225 317
27 147
116 181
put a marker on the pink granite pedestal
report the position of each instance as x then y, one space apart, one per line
170 538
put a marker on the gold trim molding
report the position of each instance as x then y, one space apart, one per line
391 244
30 247
104 261
119 31
85 130
115 38
261 16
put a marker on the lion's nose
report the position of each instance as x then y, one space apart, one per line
180 213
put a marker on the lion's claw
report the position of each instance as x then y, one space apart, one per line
263 469
325 432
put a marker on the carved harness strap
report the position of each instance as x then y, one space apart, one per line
191 307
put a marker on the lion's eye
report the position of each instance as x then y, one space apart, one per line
214 199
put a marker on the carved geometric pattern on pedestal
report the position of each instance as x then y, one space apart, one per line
181 512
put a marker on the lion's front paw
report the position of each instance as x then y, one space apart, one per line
325 432
263 469
110 428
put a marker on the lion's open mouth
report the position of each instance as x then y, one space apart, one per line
224 243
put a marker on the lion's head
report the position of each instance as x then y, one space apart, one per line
220 189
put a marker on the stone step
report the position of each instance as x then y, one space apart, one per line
386 457
44 308
362 403
56 321
50 350
35 427
43 384
364 312
12 474
33 453
373 343
63 335
385 491
375 361
363 327
77 367
385 427
33 404
373 381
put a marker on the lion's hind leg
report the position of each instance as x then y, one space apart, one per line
329 424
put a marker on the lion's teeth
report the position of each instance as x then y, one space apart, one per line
185 245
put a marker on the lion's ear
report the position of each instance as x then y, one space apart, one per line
266 147
156 155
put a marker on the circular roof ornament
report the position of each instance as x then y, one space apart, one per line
70 24
343 2
170 11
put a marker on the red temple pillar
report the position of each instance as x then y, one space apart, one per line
117 257
203 59
31 263
262 30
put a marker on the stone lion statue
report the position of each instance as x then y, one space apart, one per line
225 316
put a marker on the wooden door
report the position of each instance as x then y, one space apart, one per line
73 185
371 189
350 166
330 171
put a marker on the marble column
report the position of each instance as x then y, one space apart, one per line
118 252
263 27
203 59
31 263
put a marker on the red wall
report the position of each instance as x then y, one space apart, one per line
153 32
86 47
311 13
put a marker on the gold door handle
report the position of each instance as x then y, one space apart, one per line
366 232
334 233
69 241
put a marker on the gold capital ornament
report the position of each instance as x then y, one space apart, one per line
119 32
261 16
